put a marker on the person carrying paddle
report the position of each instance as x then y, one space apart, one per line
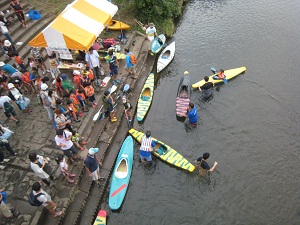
147 145
108 103
207 89
192 114
203 167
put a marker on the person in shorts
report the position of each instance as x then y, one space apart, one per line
63 140
113 67
130 67
147 145
9 111
108 103
39 58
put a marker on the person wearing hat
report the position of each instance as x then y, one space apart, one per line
8 69
14 93
206 89
9 49
46 101
9 111
203 167
108 103
151 32
66 83
92 165
5 31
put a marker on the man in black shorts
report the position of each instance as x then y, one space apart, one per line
6 105
17 7
207 89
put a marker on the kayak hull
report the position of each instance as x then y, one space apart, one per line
230 74
157 43
101 218
144 101
165 57
170 155
121 175
117 25
183 95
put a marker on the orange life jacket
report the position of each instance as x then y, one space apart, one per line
74 99
221 75
78 80
72 108
89 91
80 94
19 60
26 77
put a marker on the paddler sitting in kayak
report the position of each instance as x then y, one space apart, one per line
206 89
220 75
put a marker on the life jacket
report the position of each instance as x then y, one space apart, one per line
78 80
19 60
132 58
106 104
146 144
26 77
89 90
74 99
80 96
221 75
72 108
38 82
16 5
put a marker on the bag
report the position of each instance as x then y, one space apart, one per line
32 199
7 106
132 58
22 103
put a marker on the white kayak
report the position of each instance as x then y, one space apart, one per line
166 57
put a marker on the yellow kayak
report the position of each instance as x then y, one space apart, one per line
165 152
145 98
117 25
228 73
105 56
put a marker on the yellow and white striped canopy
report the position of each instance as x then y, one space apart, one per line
77 26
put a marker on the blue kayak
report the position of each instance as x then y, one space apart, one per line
158 43
121 175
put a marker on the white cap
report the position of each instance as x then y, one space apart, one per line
7 43
10 85
124 99
92 151
186 72
44 86
2 63
76 72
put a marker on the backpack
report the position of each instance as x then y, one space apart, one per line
32 199
22 103
132 58
7 106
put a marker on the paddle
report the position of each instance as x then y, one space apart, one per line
215 72
112 89
97 115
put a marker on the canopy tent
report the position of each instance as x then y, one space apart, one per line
77 26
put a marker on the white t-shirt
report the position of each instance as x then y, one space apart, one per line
38 170
43 198
150 32
4 99
63 140
63 165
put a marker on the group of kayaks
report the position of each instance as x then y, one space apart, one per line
123 167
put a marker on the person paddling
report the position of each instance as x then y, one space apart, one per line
220 75
203 167
207 89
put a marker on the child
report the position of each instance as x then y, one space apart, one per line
81 98
74 99
89 92
77 140
57 83
32 63
72 109
19 60
77 78
88 76
64 168
64 111
54 71
27 82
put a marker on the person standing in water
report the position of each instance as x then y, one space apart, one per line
206 89
192 114
146 148
203 167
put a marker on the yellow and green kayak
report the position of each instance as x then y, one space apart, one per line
228 73
165 152
145 98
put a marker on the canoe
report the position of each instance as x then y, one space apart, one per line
145 98
117 25
165 152
101 218
228 73
104 55
183 95
166 57
157 43
121 174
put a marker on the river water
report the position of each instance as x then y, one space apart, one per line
251 127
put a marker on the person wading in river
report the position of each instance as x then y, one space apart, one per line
146 148
192 114
203 167
207 89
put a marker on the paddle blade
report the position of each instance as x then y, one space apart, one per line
96 116
113 89
225 80
213 70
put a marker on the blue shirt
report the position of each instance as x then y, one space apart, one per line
91 163
128 60
9 69
193 115
112 63
145 153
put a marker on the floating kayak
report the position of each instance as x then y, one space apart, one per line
145 98
157 43
101 218
121 175
165 152
228 73
165 57
183 95
117 25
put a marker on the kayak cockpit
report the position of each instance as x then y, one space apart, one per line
122 169
146 94
160 149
